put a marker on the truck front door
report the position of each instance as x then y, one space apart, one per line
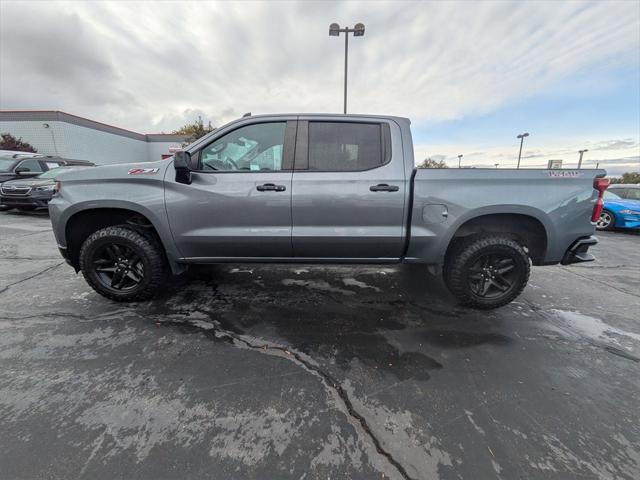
238 204
348 190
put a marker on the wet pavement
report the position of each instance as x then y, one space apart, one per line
272 371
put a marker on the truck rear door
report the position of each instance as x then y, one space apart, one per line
348 189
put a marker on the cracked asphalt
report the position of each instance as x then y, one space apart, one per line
272 371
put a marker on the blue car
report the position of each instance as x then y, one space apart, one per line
618 212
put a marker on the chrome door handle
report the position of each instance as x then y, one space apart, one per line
383 187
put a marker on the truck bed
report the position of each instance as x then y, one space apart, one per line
444 199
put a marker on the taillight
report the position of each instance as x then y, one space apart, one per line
56 187
601 185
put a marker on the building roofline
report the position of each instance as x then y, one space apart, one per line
56 115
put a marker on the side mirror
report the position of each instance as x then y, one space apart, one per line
182 162
21 170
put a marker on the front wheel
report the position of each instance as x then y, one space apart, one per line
122 264
606 221
487 272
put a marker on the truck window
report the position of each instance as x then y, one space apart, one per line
346 146
253 148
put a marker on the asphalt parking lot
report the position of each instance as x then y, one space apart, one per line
317 372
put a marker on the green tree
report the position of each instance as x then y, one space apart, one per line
430 163
196 129
629 177
9 142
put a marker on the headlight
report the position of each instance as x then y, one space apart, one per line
46 188
57 187
630 212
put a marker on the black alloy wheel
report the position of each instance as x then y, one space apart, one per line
123 263
118 266
487 271
492 275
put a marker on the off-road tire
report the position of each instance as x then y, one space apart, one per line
145 246
466 253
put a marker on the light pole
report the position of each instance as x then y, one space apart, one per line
521 137
334 31
459 160
581 152
496 164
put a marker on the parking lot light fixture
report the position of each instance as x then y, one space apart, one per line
335 31
459 160
581 152
521 137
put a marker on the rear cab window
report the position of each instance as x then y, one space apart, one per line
345 146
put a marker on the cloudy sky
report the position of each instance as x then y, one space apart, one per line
471 76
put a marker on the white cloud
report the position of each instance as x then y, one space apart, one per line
150 66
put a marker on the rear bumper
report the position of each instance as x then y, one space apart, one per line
578 251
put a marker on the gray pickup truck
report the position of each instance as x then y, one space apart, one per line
321 189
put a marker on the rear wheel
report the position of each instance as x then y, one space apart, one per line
123 264
606 221
487 272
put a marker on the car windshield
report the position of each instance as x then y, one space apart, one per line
6 164
610 195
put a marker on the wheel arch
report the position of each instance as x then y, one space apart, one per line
85 221
526 226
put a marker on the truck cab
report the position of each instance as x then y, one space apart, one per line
287 187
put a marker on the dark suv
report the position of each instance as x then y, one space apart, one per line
27 194
13 168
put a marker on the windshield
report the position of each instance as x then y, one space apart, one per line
610 195
6 164
53 173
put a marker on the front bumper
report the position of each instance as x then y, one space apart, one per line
26 201
628 221
578 251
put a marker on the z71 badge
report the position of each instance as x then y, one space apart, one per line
143 171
